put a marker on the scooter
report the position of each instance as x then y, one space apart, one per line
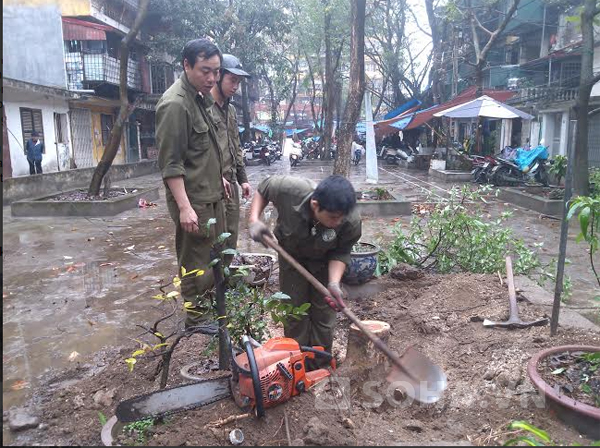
527 167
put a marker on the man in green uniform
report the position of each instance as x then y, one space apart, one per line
190 160
318 227
234 170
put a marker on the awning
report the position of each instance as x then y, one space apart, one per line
464 97
399 110
75 29
261 127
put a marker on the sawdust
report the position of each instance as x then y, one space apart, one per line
439 315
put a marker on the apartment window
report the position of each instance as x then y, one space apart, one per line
31 120
73 46
159 78
106 122
570 73
94 46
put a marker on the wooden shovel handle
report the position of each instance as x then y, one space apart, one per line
325 292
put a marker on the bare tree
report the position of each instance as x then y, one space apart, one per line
481 53
111 149
356 89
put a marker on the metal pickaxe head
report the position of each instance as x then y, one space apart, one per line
515 324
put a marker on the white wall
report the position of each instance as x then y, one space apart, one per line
596 65
32 44
20 166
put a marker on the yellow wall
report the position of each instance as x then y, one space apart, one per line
98 147
67 7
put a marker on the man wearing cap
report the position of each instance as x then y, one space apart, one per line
234 170
34 149
190 161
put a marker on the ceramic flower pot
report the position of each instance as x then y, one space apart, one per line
585 418
363 262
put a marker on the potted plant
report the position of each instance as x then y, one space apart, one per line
567 378
363 262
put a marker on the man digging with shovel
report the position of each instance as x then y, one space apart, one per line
318 227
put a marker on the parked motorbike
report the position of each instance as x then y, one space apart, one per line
528 166
382 152
404 152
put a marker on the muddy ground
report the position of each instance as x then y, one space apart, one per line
440 315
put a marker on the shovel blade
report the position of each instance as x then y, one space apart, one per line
418 377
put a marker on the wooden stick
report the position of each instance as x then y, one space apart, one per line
230 419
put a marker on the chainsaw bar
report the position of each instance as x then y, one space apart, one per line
174 399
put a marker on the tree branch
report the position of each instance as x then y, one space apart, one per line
481 26
495 34
417 23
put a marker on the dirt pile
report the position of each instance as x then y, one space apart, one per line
439 315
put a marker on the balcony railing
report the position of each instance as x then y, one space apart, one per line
85 70
121 11
545 95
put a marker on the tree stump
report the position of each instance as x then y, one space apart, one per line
362 356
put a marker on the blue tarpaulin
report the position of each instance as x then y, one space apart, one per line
406 106
290 132
403 122
262 128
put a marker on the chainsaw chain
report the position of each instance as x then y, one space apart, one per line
189 407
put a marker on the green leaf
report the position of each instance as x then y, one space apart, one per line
213 263
102 418
559 371
222 237
304 307
229 252
585 388
584 220
226 271
540 433
527 440
280 296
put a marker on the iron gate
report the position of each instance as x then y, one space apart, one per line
81 125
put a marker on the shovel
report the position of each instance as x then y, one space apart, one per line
420 378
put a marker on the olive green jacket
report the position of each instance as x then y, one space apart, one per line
187 144
229 140
294 229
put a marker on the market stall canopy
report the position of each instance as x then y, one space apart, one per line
484 106
400 110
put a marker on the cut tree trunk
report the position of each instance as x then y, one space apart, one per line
110 152
361 354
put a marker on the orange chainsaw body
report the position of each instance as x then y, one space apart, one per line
282 370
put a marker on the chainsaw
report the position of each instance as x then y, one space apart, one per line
262 376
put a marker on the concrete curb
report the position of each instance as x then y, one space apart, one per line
539 296
40 207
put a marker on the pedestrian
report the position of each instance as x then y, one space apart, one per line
190 161
234 170
34 148
318 227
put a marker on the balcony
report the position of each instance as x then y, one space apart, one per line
123 12
545 95
86 71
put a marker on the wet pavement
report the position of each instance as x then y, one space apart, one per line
81 285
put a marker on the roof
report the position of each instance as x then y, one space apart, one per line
464 97
75 29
